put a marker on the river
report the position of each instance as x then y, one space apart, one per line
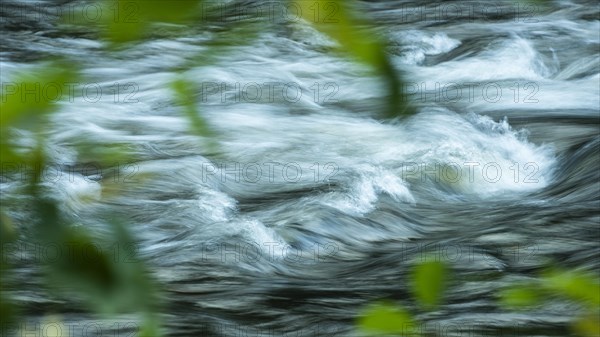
310 206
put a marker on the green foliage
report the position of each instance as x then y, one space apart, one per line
184 95
26 104
134 20
103 271
386 318
107 285
573 285
346 28
7 235
428 282
105 153
150 326
519 297
588 325
24 109
576 286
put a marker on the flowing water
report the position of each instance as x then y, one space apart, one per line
309 206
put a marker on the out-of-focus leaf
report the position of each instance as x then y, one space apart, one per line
105 154
184 95
386 318
576 285
87 270
343 25
105 271
29 98
519 297
150 327
167 10
428 283
7 235
7 229
7 153
7 311
588 326
137 290
132 19
108 273
26 102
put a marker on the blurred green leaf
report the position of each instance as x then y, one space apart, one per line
104 154
588 325
7 153
108 273
167 10
519 297
386 318
428 283
137 290
184 96
7 235
87 269
7 229
26 103
576 285
132 19
103 270
9 315
29 98
344 26
150 327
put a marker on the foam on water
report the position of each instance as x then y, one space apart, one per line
377 158
545 95
421 44
74 193
359 159
510 59
362 194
